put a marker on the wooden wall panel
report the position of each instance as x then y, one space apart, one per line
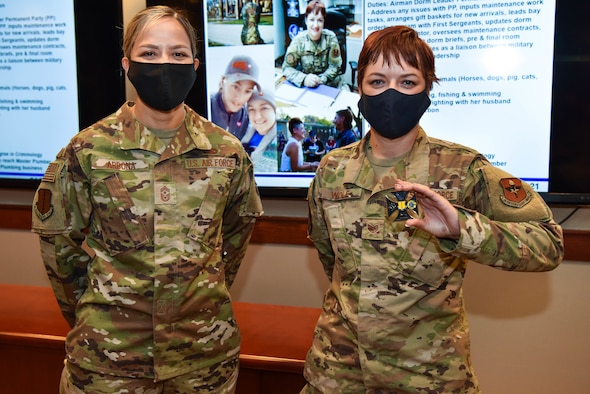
290 231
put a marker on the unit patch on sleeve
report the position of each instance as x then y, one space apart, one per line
43 207
514 194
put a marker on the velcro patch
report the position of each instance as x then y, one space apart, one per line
290 59
373 229
449 194
507 203
43 207
120 165
228 163
340 194
165 193
51 172
514 194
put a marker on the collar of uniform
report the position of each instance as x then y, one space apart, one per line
323 37
134 136
358 170
198 129
417 161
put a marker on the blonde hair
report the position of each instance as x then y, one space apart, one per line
152 14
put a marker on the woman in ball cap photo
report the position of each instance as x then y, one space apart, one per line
260 138
228 105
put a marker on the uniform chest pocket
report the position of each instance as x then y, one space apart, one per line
314 60
341 238
206 228
421 259
121 228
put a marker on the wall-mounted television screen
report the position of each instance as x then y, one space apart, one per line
510 74
60 71
514 82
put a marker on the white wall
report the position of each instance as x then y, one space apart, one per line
529 330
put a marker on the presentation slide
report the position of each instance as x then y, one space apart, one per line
495 64
494 60
38 88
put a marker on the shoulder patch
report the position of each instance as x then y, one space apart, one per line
49 216
513 193
290 59
43 207
511 199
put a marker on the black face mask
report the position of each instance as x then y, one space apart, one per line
393 114
162 86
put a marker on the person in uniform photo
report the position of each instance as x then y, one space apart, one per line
396 219
228 105
313 57
251 18
144 219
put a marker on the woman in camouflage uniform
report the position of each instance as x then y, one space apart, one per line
165 203
313 56
396 219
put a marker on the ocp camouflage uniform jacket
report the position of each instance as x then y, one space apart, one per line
304 56
168 227
394 309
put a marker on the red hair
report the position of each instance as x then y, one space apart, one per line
395 43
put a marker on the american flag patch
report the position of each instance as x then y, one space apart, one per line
50 173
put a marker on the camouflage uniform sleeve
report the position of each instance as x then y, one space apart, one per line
61 212
241 211
292 58
506 225
334 60
318 230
